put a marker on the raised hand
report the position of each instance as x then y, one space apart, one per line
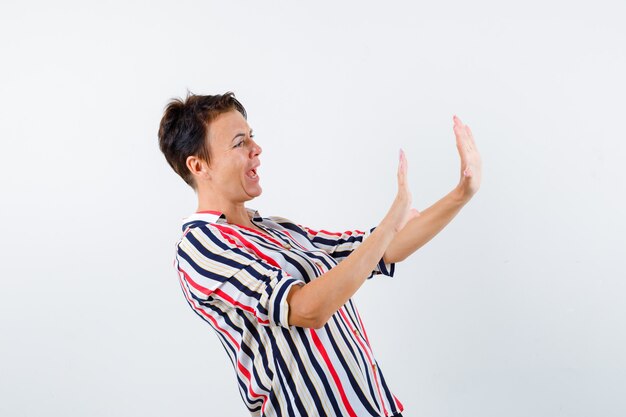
401 212
471 164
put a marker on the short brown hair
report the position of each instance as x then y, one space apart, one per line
184 128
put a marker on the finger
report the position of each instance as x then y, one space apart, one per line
405 163
458 124
463 135
401 168
461 140
402 171
468 140
405 167
471 136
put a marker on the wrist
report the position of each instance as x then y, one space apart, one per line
460 196
387 228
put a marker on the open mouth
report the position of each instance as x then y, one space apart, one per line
252 174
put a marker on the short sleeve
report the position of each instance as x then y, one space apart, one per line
341 245
215 267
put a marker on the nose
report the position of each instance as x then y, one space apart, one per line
256 149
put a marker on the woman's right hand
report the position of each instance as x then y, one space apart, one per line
401 211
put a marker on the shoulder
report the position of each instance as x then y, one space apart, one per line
214 244
208 236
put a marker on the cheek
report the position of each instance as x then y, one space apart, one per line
228 167
232 172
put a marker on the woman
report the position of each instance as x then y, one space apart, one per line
278 294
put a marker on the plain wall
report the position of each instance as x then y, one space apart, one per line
516 309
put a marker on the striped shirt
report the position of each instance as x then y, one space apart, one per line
237 280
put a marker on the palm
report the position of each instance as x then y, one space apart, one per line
471 164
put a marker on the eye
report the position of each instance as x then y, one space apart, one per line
238 145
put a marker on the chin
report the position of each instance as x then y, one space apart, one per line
254 193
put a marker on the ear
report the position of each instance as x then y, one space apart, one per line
198 168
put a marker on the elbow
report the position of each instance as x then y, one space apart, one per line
319 322
390 259
304 312
306 317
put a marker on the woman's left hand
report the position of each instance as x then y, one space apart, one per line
471 164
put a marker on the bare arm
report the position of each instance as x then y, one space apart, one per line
422 229
311 305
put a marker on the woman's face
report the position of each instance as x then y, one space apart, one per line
234 158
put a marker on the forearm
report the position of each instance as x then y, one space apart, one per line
422 229
314 303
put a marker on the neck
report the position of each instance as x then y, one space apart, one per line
235 212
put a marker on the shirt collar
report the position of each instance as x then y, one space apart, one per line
200 218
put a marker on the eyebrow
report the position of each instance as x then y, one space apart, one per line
241 134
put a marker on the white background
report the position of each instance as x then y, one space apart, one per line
516 309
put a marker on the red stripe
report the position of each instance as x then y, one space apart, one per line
217 213
315 232
246 373
248 245
369 358
342 393
263 235
249 309
382 401
208 316
347 321
319 268
348 232
243 370
222 295
224 231
194 284
294 240
309 231
231 240
398 403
